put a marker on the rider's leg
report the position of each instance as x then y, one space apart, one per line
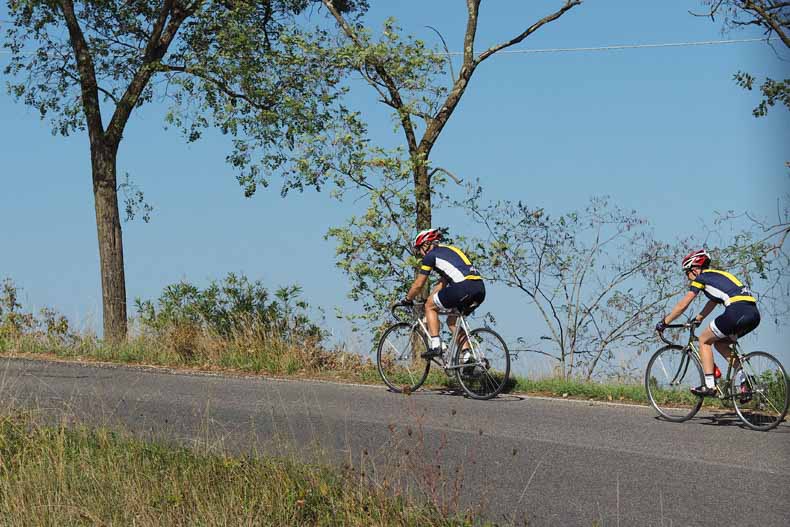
462 342
723 347
432 318
706 339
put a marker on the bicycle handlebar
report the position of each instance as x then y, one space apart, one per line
690 324
411 305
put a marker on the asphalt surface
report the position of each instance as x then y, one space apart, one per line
514 459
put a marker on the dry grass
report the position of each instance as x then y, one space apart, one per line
248 350
56 475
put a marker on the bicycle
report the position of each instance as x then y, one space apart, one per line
755 384
482 370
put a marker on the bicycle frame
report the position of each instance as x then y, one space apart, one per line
692 353
460 325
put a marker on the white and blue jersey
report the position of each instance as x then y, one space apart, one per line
464 289
740 314
450 263
721 287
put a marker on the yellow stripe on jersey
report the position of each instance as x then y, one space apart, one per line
458 251
473 277
725 273
742 298
426 268
697 285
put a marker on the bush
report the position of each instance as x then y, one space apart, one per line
237 323
15 323
228 307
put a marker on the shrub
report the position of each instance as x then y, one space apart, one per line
15 323
228 307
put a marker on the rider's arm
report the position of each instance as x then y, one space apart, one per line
710 306
680 307
426 266
416 287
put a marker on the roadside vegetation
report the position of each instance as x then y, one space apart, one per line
59 475
233 324
237 325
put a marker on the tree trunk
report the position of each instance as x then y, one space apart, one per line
422 195
108 226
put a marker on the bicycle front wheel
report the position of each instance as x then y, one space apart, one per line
671 373
398 358
760 391
487 367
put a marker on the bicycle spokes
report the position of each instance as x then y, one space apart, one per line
671 373
398 358
484 372
760 393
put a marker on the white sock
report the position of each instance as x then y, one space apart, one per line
740 378
436 342
710 380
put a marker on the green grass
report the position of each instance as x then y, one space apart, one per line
276 358
55 475
601 391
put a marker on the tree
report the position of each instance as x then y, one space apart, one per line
87 65
393 77
773 17
596 277
400 184
754 247
599 280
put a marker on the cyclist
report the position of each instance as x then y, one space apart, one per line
739 318
460 285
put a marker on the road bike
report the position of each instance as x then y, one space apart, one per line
482 368
755 384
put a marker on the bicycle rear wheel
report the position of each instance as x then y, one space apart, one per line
671 373
398 358
488 367
760 395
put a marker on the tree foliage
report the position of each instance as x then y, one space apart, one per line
86 65
231 306
753 246
773 17
400 185
773 92
126 43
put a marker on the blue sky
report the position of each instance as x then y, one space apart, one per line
664 131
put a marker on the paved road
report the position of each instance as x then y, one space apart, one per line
545 461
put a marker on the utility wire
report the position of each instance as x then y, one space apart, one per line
582 49
626 46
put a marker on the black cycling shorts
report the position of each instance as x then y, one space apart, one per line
465 296
738 319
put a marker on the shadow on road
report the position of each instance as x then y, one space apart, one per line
725 419
452 392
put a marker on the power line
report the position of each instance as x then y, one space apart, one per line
613 47
626 46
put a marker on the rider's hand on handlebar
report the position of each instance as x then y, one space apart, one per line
661 326
407 302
